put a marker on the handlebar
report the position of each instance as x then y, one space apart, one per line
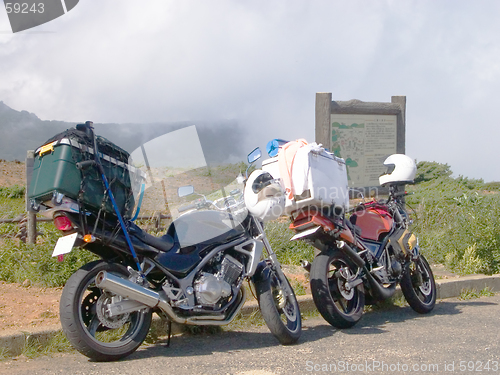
187 208
399 194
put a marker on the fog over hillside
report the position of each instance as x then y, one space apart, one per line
222 142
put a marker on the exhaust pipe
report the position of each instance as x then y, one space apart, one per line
150 298
351 254
127 289
378 290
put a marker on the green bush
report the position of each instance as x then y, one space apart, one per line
457 220
430 170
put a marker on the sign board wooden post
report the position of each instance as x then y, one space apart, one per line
362 133
30 214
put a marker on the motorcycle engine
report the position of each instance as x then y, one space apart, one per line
396 267
211 288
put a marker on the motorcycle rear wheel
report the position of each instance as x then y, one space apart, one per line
80 303
338 304
418 286
281 312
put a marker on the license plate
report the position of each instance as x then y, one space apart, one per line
64 245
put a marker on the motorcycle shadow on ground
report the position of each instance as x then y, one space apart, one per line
375 322
187 345
314 329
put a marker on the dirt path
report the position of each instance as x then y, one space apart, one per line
23 308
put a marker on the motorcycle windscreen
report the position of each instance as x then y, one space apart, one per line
176 159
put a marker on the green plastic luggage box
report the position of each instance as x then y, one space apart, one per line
55 171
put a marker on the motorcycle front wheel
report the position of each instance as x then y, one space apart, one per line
418 286
280 312
338 304
86 323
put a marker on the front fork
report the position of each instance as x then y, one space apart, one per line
285 287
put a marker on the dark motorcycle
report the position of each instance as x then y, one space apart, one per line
192 275
362 259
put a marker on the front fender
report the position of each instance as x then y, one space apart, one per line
262 273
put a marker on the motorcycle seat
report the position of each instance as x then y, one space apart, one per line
163 243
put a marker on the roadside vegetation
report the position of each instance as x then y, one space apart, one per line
456 219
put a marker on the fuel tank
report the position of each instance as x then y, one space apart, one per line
193 233
198 227
374 221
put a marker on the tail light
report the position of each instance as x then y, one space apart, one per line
63 223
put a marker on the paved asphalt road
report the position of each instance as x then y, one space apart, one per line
458 335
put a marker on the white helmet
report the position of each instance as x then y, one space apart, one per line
401 169
264 196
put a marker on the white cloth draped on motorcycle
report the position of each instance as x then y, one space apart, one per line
311 176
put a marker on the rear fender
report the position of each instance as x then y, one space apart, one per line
310 218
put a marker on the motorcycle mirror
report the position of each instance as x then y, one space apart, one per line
184 191
254 155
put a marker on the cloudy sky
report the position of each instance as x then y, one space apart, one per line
260 63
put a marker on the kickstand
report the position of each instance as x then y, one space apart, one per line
169 330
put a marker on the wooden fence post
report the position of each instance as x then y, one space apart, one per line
31 215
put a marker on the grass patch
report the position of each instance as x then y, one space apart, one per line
395 302
36 347
467 294
255 319
288 252
20 261
15 191
310 314
4 353
298 287
242 322
11 207
55 344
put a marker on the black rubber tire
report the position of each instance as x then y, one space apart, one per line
284 322
336 309
418 286
78 316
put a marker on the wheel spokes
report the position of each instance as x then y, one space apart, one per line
341 303
283 304
94 325
342 295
